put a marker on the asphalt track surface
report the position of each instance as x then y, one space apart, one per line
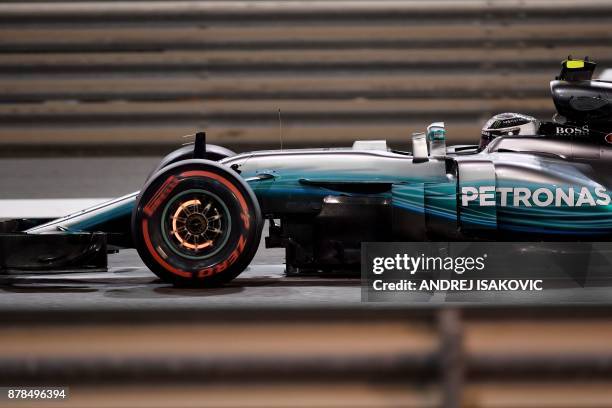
129 284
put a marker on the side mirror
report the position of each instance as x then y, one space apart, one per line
436 136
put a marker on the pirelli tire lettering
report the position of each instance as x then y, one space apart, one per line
196 223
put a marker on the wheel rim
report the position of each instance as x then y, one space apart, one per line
196 224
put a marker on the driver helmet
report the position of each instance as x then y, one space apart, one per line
508 124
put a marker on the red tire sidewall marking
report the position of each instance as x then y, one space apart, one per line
166 188
245 209
220 267
159 259
160 195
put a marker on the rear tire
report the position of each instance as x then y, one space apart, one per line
196 223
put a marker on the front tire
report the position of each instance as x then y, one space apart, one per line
213 153
196 223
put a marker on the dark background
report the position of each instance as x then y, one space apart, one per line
117 77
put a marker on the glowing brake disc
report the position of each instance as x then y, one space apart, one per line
195 225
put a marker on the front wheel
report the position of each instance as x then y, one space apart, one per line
196 223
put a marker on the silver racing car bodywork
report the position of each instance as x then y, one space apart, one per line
322 203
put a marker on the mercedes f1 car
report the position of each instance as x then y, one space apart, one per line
198 219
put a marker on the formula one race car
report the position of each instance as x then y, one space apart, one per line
199 217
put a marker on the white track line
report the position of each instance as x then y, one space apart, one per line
606 75
45 208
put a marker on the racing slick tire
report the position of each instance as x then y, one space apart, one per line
196 223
